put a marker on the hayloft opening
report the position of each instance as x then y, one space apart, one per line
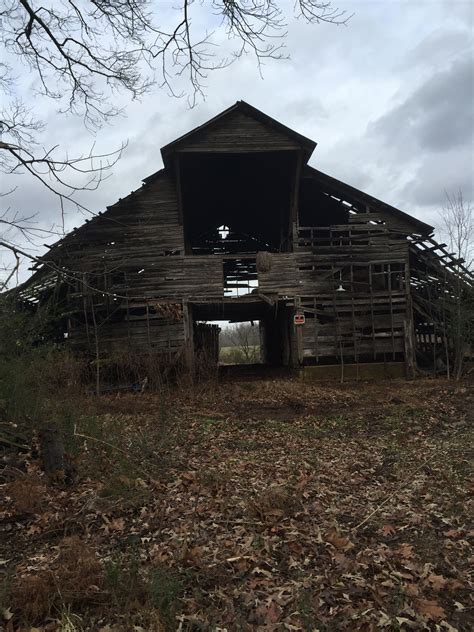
236 203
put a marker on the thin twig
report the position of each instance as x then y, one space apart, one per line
394 493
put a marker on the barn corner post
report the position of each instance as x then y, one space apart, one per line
409 333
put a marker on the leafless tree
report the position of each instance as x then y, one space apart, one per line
245 338
55 172
457 227
84 49
82 54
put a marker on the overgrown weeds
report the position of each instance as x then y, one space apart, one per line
124 590
132 590
244 503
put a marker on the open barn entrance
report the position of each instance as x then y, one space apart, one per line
227 343
242 332
236 204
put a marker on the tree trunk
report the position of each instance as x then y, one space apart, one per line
52 453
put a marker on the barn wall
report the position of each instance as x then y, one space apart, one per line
368 320
143 225
135 334
132 276
123 262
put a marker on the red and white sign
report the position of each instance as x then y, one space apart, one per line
299 319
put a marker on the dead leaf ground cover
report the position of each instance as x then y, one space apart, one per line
270 505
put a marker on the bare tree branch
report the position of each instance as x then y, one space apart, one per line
457 300
82 53
87 50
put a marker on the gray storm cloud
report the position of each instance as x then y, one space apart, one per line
437 116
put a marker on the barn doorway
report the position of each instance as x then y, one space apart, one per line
226 343
248 333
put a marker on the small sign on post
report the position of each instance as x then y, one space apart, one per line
299 319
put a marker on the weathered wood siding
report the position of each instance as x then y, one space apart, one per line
178 278
370 263
238 133
132 335
125 259
145 223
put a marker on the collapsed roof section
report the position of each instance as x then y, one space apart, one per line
364 203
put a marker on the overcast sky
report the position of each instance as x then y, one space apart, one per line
389 100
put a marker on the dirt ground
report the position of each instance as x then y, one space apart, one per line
266 505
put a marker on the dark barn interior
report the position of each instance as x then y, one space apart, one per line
248 193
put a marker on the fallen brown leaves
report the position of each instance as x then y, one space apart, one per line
249 518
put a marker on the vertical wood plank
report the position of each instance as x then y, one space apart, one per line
299 336
188 337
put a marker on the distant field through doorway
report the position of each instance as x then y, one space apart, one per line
239 343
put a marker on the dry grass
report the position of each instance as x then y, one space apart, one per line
77 577
78 572
33 596
26 495
276 502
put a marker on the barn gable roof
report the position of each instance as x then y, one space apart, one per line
256 131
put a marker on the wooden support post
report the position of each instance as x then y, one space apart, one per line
374 347
148 326
354 331
188 337
128 322
178 188
294 201
97 348
84 306
388 268
298 360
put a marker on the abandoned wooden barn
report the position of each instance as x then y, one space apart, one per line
237 226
